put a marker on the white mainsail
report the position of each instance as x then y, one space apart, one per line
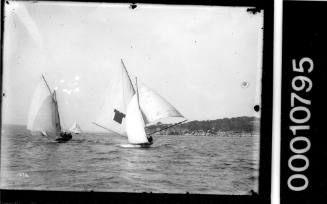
43 115
119 94
75 128
135 123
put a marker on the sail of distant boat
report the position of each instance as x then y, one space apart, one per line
127 110
75 128
44 115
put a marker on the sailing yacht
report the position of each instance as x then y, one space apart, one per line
129 108
44 115
76 129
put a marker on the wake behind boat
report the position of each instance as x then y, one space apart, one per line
135 145
129 108
44 115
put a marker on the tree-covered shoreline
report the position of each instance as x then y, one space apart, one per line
219 127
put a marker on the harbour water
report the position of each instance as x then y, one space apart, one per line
97 162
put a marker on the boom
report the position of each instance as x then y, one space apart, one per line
167 127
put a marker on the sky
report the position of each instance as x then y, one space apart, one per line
205 60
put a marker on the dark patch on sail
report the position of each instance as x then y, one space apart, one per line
118 117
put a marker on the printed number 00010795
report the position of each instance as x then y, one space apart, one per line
300 116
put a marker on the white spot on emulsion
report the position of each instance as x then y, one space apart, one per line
72 84
72 87
62 81
77 78
55 88
70 91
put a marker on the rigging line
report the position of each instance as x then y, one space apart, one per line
53 96
46 83
167 127
101 126
107 129
137 93
130 81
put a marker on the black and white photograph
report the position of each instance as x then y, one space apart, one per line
117 97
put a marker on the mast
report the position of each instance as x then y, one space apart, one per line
57 108
54 98
137 93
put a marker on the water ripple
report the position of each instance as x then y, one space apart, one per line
174 164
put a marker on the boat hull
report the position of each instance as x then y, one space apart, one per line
64 137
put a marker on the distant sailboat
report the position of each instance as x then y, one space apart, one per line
128 110
75 128
44 116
